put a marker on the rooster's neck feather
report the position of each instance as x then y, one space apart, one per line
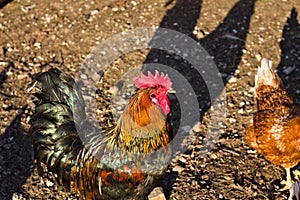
143 127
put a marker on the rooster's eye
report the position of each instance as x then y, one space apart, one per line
152 95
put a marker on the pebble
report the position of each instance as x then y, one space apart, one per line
178 169
181 159
21 76
232 120
115 9
251 151
49 183
231 79
94 12
231 105
113 90
197 127
27 8
9 73
186 128
133 3
213 156
177 57
4 63
17 196
157 194
289 70
242 103
240 111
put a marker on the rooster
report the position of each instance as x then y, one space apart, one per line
275 130
111 163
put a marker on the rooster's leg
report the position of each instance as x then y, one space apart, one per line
289 182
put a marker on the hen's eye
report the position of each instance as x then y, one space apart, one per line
152 95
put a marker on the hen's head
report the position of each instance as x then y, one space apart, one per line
159 85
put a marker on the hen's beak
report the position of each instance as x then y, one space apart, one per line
171 91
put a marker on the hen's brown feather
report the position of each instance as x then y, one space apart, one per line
275 130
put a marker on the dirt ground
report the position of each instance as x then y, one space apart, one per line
36 35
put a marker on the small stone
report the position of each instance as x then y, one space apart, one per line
115 9
289 70
231 79
17 196
250 151
197 127
157 194
232 120
94 12
21 76
231 105
83 76
181 159
227 178
214 156
49 183
113 90
177 57
242 103
186 128
178 169
133 3
240 111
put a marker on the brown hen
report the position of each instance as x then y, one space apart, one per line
275 130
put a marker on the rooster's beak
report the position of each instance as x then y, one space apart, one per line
171 91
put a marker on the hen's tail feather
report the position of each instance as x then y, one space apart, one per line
266 75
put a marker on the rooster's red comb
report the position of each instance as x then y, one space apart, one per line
153 81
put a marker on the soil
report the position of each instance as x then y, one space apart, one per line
37 35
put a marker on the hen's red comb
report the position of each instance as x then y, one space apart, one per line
153 81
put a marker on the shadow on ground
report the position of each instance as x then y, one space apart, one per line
225 44
289 66
4 3
17 146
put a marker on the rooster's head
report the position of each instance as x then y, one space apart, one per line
159 85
